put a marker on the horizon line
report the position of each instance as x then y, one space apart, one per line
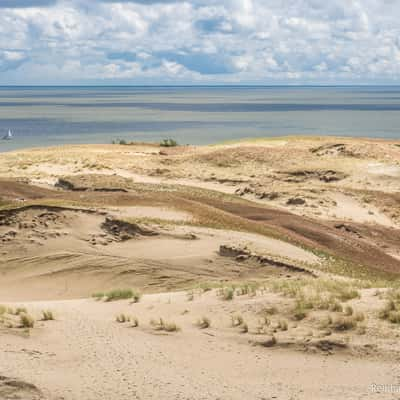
202 85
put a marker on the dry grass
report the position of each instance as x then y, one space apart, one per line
47 315
315 294
391 310
190 295
249 289
122 318
161 325
118 294
134 322
226 293
16 318
98 296
344 323
282 325
203 323
236 320
26 321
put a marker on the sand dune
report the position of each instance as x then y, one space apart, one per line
260 269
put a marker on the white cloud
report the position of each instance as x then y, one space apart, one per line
200 41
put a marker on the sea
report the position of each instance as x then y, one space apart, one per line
48 116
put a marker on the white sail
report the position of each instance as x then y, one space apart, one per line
8 136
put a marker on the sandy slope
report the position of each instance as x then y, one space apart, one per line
85 354
76 220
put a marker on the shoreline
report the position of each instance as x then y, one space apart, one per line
244 140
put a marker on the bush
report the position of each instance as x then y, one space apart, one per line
120 141
168 143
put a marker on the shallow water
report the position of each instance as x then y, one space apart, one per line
42 116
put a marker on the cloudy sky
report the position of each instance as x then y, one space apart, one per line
199 41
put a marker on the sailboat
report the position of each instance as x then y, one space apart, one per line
8 136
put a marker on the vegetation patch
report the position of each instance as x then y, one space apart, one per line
47 315
118 294
168 143
161 325
391 310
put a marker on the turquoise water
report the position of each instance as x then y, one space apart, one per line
42 116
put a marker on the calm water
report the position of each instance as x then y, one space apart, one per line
42 116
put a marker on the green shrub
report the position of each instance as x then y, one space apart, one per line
168 143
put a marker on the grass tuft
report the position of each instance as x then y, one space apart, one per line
26 321
118 294
47 315
203 323
236 320
227 293
122 318
161 325
134 322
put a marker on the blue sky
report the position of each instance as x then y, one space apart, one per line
199 42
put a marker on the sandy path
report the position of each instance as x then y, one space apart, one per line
86 355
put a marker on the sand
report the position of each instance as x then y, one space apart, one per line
185 227
85 354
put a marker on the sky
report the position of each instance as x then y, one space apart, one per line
200 42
